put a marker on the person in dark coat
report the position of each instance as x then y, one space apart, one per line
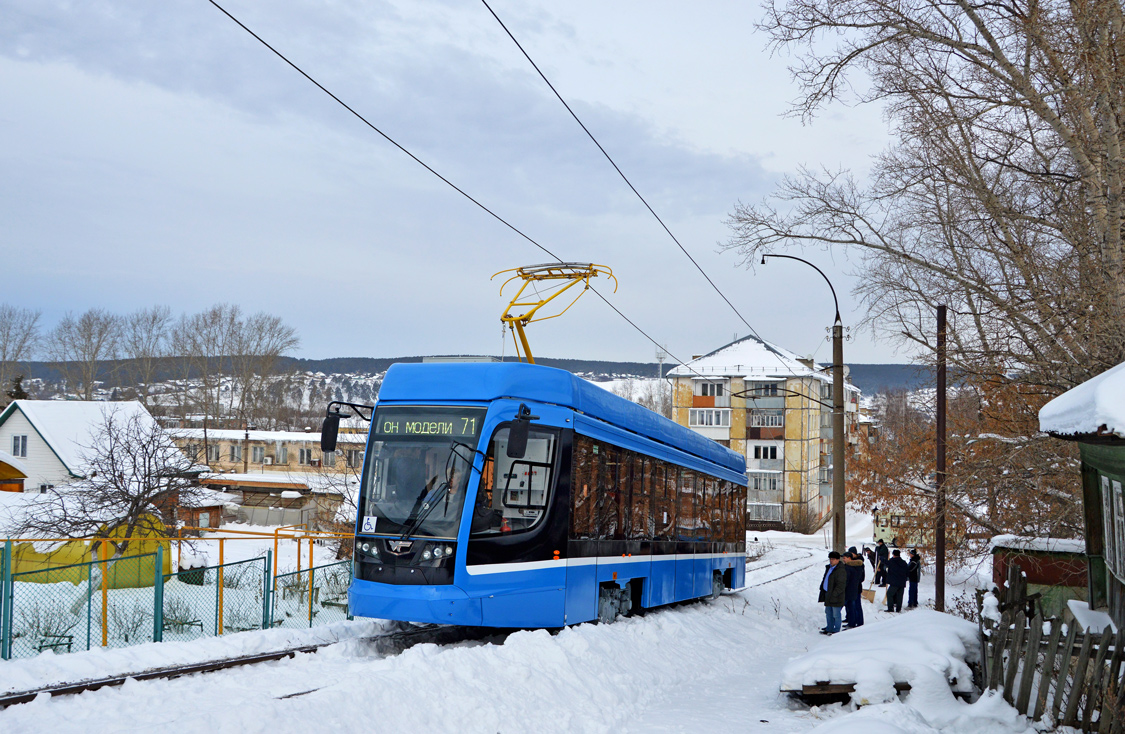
913 573
833 590
853 606
881 556
897 574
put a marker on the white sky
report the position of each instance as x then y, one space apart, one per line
155 153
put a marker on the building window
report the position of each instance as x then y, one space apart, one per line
330 458
304 457
19 446
355 458
764 482
763 419
709 418
236 452
763 390
213 452
765 452
282 454
711 389
258 454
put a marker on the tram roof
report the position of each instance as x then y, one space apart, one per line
491 381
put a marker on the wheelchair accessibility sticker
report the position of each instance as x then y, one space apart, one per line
368 524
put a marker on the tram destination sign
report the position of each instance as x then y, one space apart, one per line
428 424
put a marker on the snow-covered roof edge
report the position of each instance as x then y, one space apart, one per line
1039 545
1094 408
780 362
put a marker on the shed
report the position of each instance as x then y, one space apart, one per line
1093 415
1055 568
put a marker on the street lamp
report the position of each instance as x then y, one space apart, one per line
839 542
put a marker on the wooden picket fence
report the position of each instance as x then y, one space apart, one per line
1074 678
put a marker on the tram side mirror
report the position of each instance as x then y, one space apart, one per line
330 429
517 432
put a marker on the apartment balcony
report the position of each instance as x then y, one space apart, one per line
710 401
765 464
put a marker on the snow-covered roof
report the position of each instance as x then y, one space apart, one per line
230 434
6 458
1096 407
1041 545
317 483
71 427
748 357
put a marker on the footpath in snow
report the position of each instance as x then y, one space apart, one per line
708 666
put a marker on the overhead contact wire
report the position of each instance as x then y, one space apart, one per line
422 163
626 179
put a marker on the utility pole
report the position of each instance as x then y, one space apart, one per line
939 531
839 498
839 541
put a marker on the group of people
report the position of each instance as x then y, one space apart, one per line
842 584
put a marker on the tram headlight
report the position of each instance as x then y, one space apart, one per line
437 551
366 547
427 554
448 550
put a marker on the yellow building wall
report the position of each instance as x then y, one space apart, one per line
67 563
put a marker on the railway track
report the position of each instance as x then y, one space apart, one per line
385 645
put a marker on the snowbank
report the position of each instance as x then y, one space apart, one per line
927 649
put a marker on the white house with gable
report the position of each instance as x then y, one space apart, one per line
49 439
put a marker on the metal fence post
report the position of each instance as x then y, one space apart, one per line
158 596
6 603
266 591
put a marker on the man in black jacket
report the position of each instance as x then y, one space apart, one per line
881 557
853 607
897 573
833 588
913 574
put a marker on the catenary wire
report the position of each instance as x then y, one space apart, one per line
449 183
630 183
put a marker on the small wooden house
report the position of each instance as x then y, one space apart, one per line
1054 568
1093 415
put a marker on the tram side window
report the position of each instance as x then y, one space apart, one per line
608 496
585 482
640 528
624 506
514 493
707 517
685 502
664 501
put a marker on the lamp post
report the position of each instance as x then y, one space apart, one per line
839 542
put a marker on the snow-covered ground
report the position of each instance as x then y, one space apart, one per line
696 667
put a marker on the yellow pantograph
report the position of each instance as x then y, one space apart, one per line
568 275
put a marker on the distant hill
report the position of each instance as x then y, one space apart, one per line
871 378
874 378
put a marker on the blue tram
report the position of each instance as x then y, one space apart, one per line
517 495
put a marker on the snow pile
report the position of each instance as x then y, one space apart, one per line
989 714
1097 405
1041 545
927 649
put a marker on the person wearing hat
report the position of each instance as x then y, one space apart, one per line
853 606
833 588
882 555
913 574
896 578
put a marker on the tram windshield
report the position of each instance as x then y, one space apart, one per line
418 469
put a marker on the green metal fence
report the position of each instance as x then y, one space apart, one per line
233 597
312 596
128 601
106 603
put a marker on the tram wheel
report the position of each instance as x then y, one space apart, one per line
610 604
717 586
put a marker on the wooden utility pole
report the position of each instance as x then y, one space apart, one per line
839 541
939 530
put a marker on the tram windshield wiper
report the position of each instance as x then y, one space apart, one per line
430 497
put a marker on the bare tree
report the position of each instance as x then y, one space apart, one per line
83 348
144 342
19 336
135 478
1003 195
